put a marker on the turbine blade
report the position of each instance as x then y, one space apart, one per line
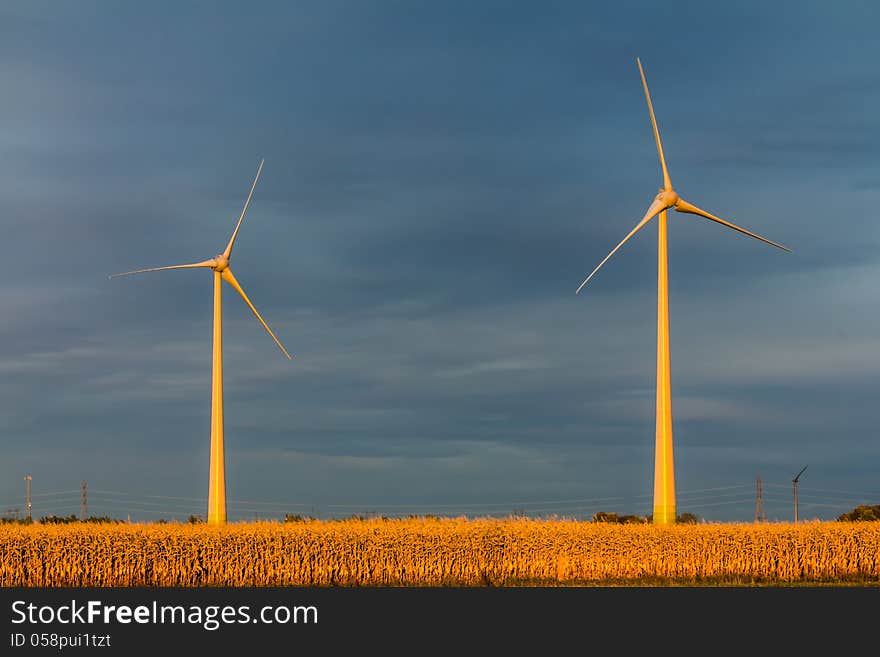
666 182
655 208
228 276
206 263
683 206
228 250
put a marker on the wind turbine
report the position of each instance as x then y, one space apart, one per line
794 483
664 474
220 266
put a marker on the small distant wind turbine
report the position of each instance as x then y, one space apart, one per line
220 265
664 475
794 483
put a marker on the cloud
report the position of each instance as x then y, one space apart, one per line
438 181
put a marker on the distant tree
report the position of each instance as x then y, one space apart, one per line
861 512
637 520
293 517
684 518
58 520
102 519
195 520
63 520
603 516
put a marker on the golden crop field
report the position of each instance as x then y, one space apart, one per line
432 552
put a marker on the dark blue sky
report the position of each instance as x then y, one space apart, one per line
439 179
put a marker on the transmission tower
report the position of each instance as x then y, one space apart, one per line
759 502
28 482
84 505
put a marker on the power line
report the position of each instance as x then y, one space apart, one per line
19 502
739 501
179 505
445 505
60 492
825 490
835 506
160 497
811 496
123 503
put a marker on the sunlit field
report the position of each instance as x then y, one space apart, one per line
439 552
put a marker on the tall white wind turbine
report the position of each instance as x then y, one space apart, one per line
219 264
668 198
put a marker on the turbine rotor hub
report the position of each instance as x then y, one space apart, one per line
221 262
668 197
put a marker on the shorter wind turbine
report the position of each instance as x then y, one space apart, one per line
219 264
794 483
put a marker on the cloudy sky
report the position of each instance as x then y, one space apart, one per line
439 178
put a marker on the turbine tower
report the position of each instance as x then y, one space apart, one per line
794 484
219 264
668 198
